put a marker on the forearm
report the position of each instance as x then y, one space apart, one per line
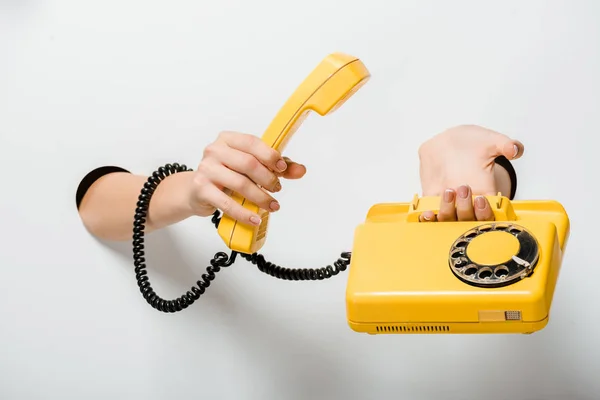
108 207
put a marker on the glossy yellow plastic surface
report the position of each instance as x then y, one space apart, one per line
400 279
329 85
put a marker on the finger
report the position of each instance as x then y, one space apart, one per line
483 211
247 164
253 145
464 204
241 184
447 207
427 216
229 206
294 170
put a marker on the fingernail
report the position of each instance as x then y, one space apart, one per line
281 165
463 192
449 195
278 186
274 205
480 202
516 150
255 219
427 215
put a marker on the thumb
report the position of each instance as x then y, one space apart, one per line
507 147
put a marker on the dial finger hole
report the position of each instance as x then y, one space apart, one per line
471 271
457 253
485 273
501 271
485 228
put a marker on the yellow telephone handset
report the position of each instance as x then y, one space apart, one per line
329 85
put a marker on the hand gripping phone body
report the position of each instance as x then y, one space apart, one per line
409 277
329 85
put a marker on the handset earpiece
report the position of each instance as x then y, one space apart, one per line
327 88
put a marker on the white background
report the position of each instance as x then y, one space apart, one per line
141 83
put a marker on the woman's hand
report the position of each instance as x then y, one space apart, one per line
241 163
234 162
458 164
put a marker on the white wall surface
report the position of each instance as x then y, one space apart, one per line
141 83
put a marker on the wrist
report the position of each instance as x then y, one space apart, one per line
170 203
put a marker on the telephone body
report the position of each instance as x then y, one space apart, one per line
407 276
326 88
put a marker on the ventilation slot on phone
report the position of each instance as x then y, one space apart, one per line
412 328
512 315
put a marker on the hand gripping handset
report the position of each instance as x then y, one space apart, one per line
329 85
499 276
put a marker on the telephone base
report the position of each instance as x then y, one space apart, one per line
487 277
407 328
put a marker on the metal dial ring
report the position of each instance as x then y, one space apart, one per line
517 267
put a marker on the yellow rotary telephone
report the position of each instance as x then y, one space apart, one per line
412 277
456 277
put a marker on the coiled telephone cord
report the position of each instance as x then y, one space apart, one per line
219 261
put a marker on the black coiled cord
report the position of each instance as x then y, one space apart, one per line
220 260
